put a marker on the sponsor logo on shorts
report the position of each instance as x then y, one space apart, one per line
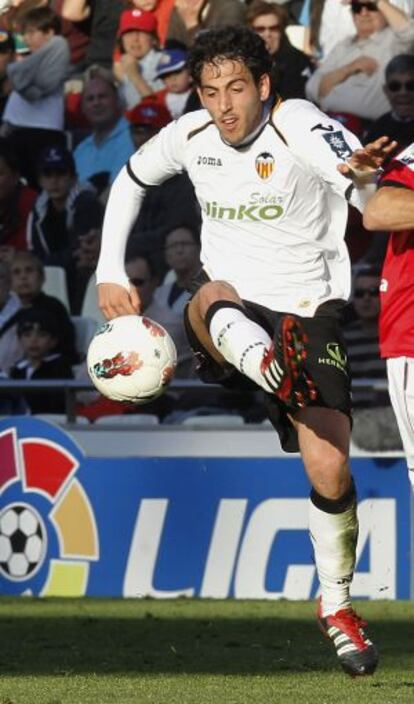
338 144
336 357
265 164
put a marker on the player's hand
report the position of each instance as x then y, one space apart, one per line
369 159
115 300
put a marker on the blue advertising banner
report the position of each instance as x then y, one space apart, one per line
72 525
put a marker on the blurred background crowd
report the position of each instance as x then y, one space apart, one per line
83 84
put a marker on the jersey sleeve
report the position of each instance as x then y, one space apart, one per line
157 160
320 141
161 157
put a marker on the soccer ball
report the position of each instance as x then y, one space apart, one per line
132 359
23 542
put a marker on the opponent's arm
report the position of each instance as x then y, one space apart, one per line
391 208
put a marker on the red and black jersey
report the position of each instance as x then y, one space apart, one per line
397 285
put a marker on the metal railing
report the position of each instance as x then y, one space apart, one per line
71 386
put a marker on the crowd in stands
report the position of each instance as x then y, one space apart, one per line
84 83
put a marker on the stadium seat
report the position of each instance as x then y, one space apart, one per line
55 284
128 419
217 421
85 329
60 418
90 307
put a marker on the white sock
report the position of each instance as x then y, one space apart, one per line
334 537
241 342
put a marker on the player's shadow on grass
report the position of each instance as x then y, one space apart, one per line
148 644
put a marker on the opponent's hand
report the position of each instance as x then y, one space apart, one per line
369 159
115 300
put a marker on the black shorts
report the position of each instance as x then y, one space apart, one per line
326 363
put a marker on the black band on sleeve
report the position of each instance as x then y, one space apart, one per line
348 192
135 178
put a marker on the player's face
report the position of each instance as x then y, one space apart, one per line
399 90
227 90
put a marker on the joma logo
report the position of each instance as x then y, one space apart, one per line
209 161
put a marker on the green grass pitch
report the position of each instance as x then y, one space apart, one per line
99 651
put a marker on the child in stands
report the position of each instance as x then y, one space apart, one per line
136 67
177 93
39 331
34 114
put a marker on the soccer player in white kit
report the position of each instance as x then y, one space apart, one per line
275 276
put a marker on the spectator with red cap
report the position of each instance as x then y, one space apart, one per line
161 9
136 68
146 120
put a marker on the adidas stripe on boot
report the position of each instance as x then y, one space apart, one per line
283 365
356 653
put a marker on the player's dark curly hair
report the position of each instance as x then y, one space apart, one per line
234 42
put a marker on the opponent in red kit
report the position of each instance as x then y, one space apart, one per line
392 208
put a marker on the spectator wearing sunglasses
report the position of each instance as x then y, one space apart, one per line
351 78
291 68
398 123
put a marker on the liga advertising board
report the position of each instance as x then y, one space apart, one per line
165 527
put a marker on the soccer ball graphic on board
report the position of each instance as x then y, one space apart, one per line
132 359
23 541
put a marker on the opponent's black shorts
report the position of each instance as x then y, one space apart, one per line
326 363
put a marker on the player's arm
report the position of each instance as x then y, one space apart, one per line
334 152
391 208
115 294
155 162
363 164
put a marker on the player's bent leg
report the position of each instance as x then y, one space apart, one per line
222 324
278 367
324 440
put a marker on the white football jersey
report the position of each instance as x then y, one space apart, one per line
274 210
